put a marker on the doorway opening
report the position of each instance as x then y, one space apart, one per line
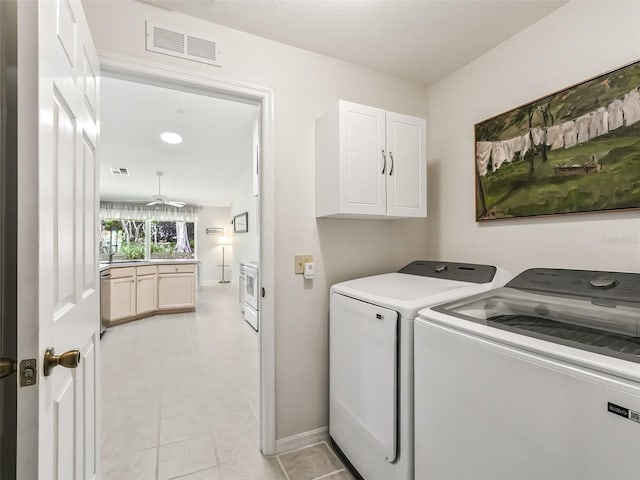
214 230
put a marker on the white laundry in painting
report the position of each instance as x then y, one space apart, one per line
498 155
526 144
622 111
569 133
583 123
483 155
599 123
554 137
631 107
616 117
537 134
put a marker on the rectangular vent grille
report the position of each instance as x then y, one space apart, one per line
198 47
119 171
169 42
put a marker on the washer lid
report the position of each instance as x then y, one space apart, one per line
407 293
608 328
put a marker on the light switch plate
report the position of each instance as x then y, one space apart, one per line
300 260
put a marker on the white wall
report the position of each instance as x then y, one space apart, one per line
304 85
246 246
207 248
578 41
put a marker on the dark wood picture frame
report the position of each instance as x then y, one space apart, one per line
241 223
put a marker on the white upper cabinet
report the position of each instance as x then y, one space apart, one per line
370 163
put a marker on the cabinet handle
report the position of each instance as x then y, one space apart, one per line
391 169
384 165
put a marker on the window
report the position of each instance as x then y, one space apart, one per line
123 240
172 240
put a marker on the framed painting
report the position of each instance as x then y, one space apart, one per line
241 223
574 151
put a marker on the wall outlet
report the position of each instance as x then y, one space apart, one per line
300 260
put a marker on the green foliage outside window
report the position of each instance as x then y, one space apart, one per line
133 250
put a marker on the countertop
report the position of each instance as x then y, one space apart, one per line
142 263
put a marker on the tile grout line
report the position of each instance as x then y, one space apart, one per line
213 445
158 440
250 406
284 470
327 475
302 448
197 471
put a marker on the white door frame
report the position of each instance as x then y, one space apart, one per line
188 80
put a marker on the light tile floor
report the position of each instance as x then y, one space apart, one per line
180 400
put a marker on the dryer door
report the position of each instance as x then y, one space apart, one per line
363 378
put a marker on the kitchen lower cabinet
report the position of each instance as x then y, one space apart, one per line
176 290
176 286
146 289
119 295
129 293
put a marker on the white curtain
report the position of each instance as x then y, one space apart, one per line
142 211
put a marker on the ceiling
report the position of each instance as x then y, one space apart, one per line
207 168
419 40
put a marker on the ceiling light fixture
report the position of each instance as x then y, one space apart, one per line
171 138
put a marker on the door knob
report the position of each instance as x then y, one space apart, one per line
70 359
7 367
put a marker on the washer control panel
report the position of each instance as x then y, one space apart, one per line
615 286
603 281
463 272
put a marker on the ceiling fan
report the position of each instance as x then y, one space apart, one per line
160 199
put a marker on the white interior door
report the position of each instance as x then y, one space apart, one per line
407 172
65 280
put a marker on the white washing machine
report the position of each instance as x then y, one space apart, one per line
371 359
540 379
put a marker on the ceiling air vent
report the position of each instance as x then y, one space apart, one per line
119 171
170 42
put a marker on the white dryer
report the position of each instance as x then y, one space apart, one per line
539 379
371 359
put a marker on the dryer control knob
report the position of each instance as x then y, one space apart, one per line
603 281
440 268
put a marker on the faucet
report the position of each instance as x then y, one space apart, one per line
111 246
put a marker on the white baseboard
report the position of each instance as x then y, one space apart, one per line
301 440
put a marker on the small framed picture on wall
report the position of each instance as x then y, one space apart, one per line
241 223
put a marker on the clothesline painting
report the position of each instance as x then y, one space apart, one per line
574 151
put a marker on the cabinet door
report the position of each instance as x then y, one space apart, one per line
146 294
407 166
362 159
122 300
176 290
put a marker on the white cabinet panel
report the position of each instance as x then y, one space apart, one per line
122 298
370 163
407 180
146 300
362 144
176 290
